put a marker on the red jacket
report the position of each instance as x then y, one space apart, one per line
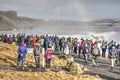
7 40
33 42
81 44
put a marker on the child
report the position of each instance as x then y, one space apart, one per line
48 55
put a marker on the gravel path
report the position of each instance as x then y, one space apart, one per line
103 69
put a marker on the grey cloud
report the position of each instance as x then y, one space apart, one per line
63 9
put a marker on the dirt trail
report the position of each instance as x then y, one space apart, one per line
103 69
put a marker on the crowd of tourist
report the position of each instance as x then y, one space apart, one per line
63 45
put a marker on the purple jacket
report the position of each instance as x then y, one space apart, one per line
22 50
48 54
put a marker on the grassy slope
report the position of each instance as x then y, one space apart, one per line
8 57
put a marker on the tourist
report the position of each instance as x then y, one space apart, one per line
22 51
104 47
86 53
48 56
95 54
112 56
37 54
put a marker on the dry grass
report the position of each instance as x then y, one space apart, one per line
8 57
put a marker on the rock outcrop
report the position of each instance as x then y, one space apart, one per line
6 23
10 14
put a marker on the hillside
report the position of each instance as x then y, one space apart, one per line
10 21
6 23
8 58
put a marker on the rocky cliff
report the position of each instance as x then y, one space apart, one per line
10 21
6 23
9 14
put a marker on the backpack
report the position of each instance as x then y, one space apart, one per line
110 45
103 46
96 52
63 44
37 51
76 43
86 50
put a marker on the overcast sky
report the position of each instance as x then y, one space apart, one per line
83 10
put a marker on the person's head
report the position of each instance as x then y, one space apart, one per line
9 35
46 35
13 35
95 44
37 41
113 47
112 41
55 35
86 45
103 41
22 44
118 46
50 46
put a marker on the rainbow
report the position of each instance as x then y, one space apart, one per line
82 10
83 13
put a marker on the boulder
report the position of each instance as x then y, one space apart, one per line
76 68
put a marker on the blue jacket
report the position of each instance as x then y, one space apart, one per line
22 51
110 44
11 39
